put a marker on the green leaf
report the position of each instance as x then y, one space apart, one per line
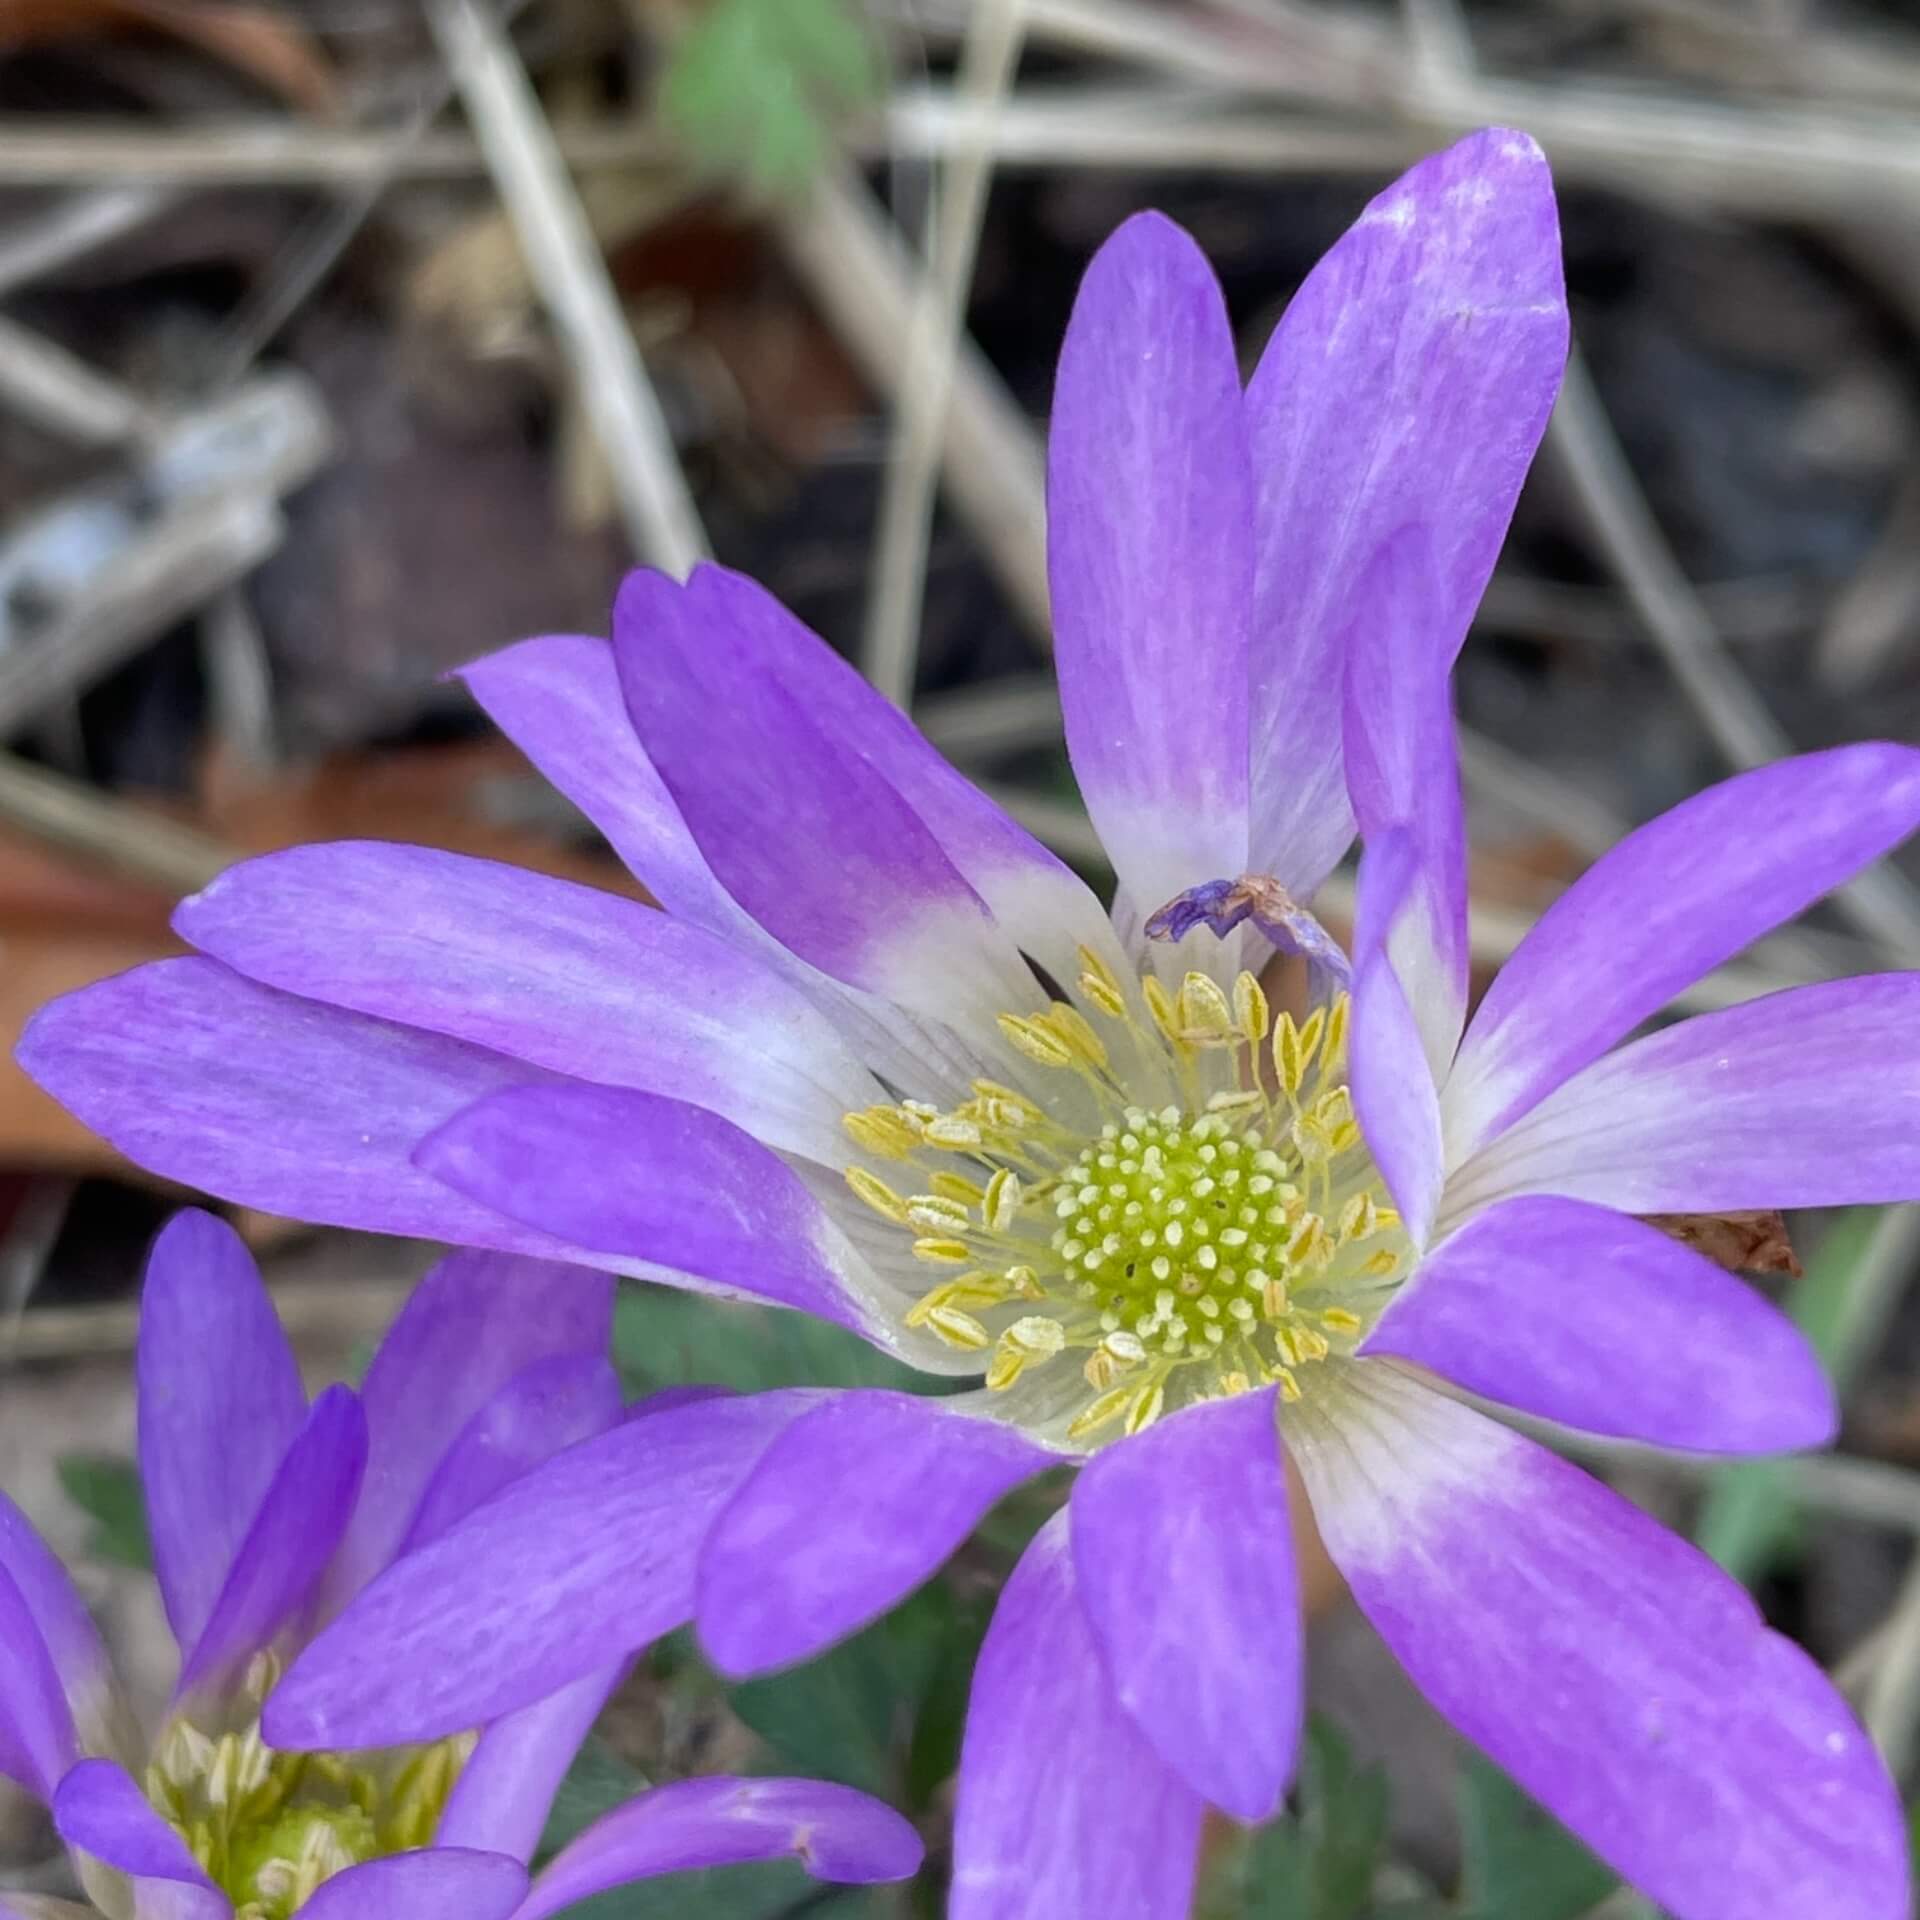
1519 1863
1749 1520
752 85
665 1338
597 1782
107 1489
1318 1862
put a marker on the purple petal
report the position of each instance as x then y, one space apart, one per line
1064 1808
1622 1679
1150 560
60 1620
465 1331
205 1078
220 1402
100 1811
1409 380
756 773
1040 904
506 1789
639 1178
1184 1555
845 1514
558 700
287 1546
1403 773
1667 905
432 1883
37 1737
542 1410
1581 1315
579 1562
573 980
1394 1098
1808 1098
837 1833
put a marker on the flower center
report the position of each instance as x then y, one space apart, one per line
270 1827
1179 1250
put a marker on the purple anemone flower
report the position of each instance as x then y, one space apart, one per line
885 1060
267 1516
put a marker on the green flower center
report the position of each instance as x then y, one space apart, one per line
1182 1250
270 1827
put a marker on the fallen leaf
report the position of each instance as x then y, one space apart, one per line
1740 1242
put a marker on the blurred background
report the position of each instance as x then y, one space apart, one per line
341 340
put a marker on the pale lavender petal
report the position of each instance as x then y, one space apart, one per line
1667 905
1403 773
1394 1097
1184 1556
220 1402
99 1810
465 1331
640 1178
845 1514
37 1736
757 774
1581 1315
1409 380
1808 1098
836 1833
1150 561
292 1537
558 700
1064 1808
1622 1679
543 1409
431 1883
199 1075
506 1789
61 1622
577 1563
574 980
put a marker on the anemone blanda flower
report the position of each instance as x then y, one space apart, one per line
267 1515
884 1060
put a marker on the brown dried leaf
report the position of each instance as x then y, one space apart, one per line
1740 1242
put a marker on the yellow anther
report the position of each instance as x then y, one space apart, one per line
1206 1020
952 1133
1311 1245
1378 1265
1312 1345
1030 1341
958 1329
1235 1100
941 1251
969 1294
956 1186
1105 999
1006 1101
1001 1201
934 1213
1076 1030
1099 1413
1340 1320
1160 1005
1251 1014
1146 1407
1289 1386
1345 1137
1024 1284
1093 967
882 1130
1039 1043
877 1194
1339 1017
1273 1298
1290 1056
1359 1218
